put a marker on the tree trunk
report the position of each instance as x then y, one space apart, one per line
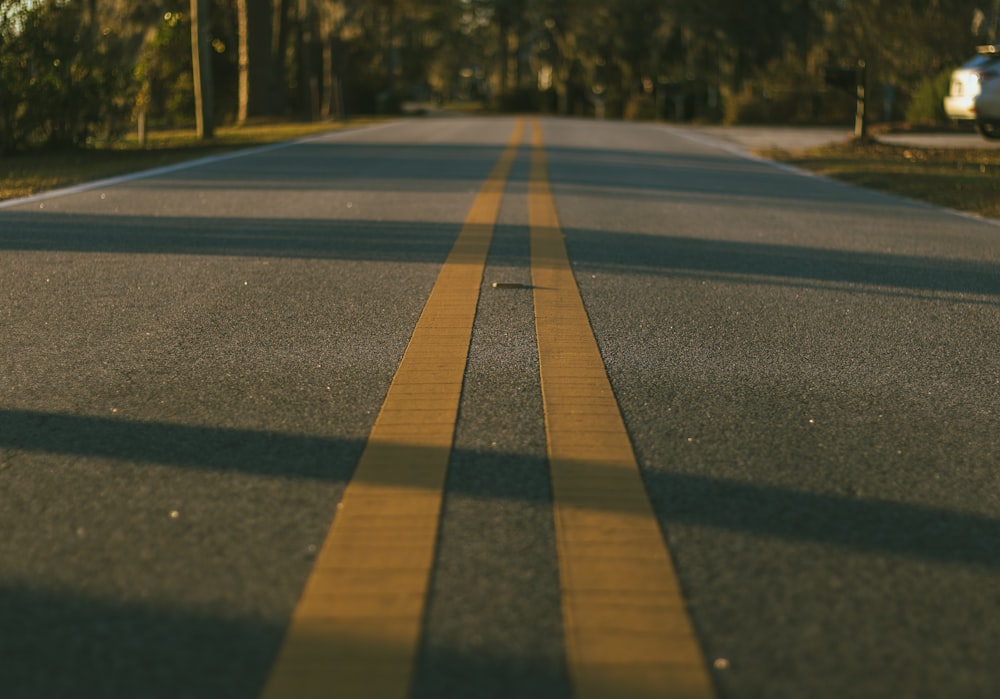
503 49
329 108
256 88
308 83
279 49
202 68
332 20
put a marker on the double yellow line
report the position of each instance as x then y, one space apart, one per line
356 628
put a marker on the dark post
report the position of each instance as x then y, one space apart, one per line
201 58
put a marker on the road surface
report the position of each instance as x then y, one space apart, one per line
761 460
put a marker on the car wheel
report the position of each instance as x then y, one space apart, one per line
989 129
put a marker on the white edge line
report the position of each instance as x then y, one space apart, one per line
791 169
719 144
186 165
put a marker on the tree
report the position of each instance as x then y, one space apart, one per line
257 88
60 85
71 72
201 69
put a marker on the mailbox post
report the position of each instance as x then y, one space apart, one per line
861 116
855 81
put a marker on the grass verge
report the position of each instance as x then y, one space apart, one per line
25 174
963 179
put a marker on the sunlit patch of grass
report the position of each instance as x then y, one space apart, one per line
28 173
965 179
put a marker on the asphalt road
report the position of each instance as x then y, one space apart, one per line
191 364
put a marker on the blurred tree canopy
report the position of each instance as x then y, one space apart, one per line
72 71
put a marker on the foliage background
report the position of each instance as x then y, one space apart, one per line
79 71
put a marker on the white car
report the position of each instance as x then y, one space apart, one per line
974 94
988 109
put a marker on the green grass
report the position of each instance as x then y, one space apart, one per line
28 173
963 179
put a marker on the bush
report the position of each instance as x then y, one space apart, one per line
787 92
747 107
642 108
519 100
926 105
60 84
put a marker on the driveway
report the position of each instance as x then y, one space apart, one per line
794 138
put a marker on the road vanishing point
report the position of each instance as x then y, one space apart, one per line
451 408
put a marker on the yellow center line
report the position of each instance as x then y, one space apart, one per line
355 630
627 631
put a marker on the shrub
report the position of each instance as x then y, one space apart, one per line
518 100
747 107
926 104
59 84
642 108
